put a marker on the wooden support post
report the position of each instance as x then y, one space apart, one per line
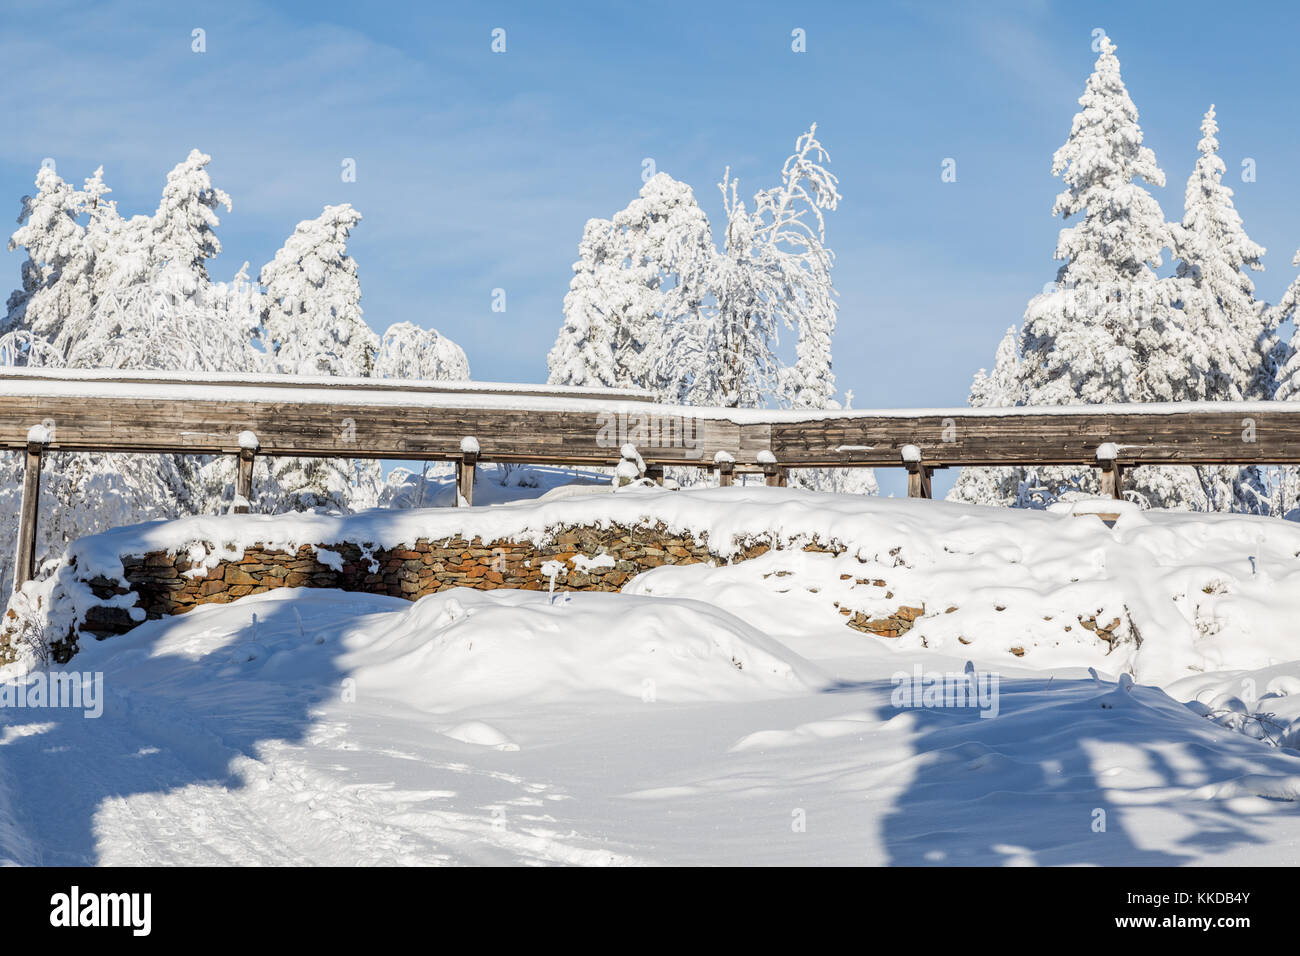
918 480
774 474
1112 480
25 564
1112 473
918 473
465 473
248 446
655 473
724 463
244 482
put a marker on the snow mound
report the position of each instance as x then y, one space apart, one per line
466 648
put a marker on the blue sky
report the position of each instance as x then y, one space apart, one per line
477 170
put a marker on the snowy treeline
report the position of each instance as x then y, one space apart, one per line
102 291
656 303
1110 329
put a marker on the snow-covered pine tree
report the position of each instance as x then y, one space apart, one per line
1000 388
635 311
56 274
1233 330
312 320
312 325
662 334
1109 332
183 230
1217 295
583 353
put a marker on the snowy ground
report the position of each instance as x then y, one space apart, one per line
706 715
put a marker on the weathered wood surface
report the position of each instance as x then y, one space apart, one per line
28 510
390 421
1194 437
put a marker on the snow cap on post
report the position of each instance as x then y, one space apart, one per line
38 435
721 457
911 453
1107 451
469 445
248 441
765 457
629 453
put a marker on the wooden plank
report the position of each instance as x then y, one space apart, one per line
29 510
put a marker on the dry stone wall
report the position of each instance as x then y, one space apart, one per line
588 559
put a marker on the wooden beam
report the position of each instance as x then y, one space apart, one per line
134 413
1261 433
29 510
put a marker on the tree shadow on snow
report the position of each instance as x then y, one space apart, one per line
1071 772
165 728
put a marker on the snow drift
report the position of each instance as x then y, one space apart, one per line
461 647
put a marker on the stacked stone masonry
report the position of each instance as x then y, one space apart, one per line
167 584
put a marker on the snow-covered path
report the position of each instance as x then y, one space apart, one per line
310 737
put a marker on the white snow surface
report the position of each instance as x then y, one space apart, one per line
706 714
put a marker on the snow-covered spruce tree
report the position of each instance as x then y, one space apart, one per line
1000 388
1109 332
183 230
668 245
1234 331
312 325
583 353
312 315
